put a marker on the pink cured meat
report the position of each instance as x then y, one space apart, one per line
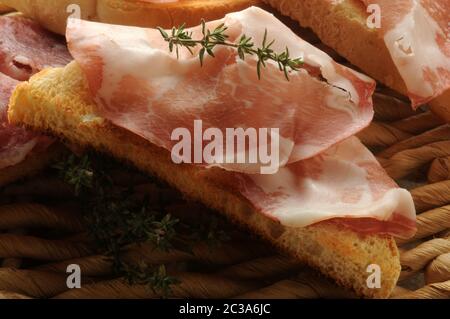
344 184
15 142
417 35
326 175
25 49
151 92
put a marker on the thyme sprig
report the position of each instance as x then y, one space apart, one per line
116 219
180 37
156 278
76 172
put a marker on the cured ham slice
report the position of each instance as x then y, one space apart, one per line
344 184
152 92
25 48
325 174
416 33
15 142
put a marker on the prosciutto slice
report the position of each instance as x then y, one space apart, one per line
417 35
343 183
326 175
25 49
151 92
15 142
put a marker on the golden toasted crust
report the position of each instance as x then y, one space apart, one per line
52 14
58 101
33 163
343 26
4 8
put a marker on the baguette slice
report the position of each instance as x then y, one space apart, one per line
52 14
342 25
4 8
58 101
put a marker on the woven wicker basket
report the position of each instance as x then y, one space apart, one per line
414 148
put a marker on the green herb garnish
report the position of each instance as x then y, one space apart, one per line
116 220
179 37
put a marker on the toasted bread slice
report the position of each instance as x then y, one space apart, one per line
342 25
58 101
4 8
53 14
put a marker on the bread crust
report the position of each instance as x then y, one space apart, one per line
52 13
343 27
4 8
58 101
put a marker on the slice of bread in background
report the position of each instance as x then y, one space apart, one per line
4 8
52 14
342 25
58 101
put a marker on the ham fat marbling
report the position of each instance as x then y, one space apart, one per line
151 92
324 174
417 35
25 49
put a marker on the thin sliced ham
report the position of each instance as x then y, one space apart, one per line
25 49
417 35
15 142
151 92
326 175
344 183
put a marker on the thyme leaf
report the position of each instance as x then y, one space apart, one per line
116 219
181 38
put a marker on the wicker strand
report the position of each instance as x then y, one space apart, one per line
388 108
48 187
439 170
433 291
229 282
406 162
438 270
441 133
229 253
20 246
417 258
305 285
92 266
263 268
14 262
429 223
382 135
192 285
418 123
12 295
431 196
32 283
38 216
399 291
